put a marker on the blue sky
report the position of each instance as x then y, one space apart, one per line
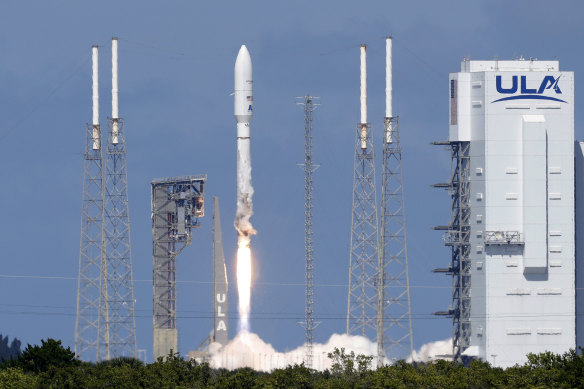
176 76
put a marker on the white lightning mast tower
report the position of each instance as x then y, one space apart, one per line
309 167
362 306
394 321
122 324
91 325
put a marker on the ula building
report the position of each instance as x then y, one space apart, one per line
514 188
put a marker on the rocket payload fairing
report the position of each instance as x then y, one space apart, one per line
243 111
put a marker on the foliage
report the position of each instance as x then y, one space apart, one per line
39 359
9 352
15 378
53 366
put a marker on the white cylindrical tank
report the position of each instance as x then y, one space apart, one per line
95 86
388 92
115 113
95 99
388 79
363 97
363 84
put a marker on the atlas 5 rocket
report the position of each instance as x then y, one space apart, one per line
243 111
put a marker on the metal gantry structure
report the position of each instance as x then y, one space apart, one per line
177 205
309 167
362 306
457 237
379 304
120 283
91 335
363 296
92 319
459 240
105 326
394 326
394 319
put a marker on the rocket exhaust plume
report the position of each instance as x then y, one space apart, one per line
363 97
243 110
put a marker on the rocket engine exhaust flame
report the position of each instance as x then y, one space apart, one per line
243 110
244 284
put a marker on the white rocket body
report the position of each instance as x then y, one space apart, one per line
243 108
243 111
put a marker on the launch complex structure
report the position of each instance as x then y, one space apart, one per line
378 300
105 325
177 205
515 190
379 292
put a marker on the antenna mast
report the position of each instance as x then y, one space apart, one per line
309 168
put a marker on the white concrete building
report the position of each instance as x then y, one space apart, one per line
513 232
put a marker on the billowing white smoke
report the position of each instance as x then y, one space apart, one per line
244 229
249 350
244 191
441 349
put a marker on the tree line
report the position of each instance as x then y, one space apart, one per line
8 349
51 365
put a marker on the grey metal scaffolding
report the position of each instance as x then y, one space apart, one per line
394 320
363 297
457 237
91 325
177 205
120 283
309 167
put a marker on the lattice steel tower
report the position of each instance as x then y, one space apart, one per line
177 204
457 236
394 321
120 282
91 325
309 167
362 306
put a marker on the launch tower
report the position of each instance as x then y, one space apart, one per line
177 205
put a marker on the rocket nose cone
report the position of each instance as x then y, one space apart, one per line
243 53
243 49
243 67
243 99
